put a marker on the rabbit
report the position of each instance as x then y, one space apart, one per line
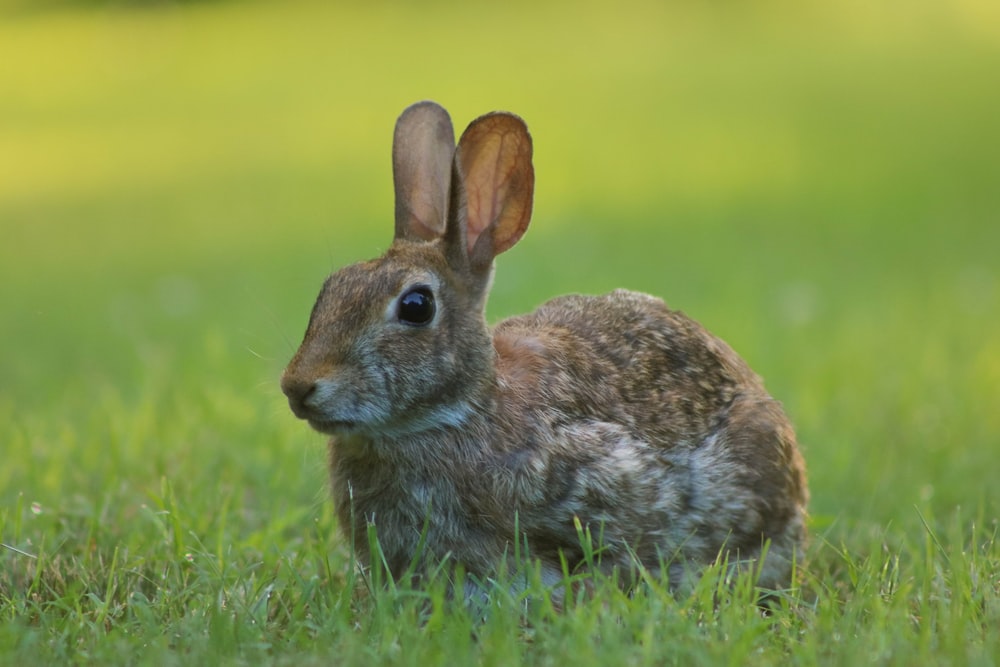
610 414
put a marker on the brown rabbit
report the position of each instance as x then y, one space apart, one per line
609 412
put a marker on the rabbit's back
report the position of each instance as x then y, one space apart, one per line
627 358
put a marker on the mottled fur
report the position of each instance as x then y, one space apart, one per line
612 411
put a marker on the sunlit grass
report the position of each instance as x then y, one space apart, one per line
817 184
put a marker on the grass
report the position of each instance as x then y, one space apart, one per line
817 185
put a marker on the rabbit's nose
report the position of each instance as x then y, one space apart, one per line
298 390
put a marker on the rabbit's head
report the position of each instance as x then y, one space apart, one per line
400 344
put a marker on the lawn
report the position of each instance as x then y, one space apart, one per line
816 184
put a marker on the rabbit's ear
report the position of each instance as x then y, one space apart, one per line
493 164
423 147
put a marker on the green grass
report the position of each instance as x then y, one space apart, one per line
817 185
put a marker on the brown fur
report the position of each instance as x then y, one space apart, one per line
612 411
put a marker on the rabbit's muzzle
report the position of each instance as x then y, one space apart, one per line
301 399
299 391
328 404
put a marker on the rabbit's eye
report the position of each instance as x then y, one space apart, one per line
416 307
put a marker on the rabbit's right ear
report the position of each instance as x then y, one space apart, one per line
493 165
423 147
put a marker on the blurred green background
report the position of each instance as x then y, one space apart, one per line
815 182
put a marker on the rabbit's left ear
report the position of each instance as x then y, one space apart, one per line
423 147
493 165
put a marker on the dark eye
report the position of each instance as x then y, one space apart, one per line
416 307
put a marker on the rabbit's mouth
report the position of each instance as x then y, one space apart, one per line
333 427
